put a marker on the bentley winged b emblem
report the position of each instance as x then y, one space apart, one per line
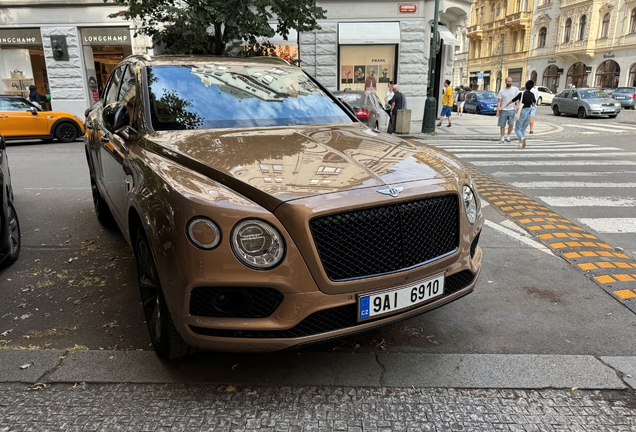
391 191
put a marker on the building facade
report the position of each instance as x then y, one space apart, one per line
68 48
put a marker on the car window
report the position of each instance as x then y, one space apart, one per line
574 94
113 86
231 96
625 90
353 99
487 95
564 94
128 92
378 103
15 104
593 94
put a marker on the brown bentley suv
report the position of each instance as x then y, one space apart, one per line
263 215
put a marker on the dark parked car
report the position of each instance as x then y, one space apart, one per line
271 218
626 96
9 225
585 102
481 102
366 107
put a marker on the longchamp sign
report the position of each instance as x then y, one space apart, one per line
20 37
106 36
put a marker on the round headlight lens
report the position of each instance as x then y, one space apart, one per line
257 244
470 204
203 233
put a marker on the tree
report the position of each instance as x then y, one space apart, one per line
211 26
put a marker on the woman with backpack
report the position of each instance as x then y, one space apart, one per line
528 101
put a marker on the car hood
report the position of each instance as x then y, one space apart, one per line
276 165
600 101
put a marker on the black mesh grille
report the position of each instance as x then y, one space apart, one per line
258 302
473 245
326 320
379 240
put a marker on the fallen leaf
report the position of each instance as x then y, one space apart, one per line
6 333
26 366
574 389
234 367
39 386
27 315
230 389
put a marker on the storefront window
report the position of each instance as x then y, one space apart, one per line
368 68
632 76
516 75
608 74
551 78
576 75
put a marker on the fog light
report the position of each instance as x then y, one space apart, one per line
203 233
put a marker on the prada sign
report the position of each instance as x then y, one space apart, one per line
106 36
22 37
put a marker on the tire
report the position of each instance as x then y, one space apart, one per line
555 110
15 237
66 132
613 116
539 101
581 113
102 211
377 126
166 340
477 110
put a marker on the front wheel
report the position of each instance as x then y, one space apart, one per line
581 113
539 101
15 238
477 110
555 111
66 133
166 340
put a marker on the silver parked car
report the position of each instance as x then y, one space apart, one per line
366 107
626 96
585 102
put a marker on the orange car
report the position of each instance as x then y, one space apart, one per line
20 119
263 215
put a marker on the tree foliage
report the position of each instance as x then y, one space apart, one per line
211 26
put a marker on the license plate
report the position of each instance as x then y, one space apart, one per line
608 110
372 305
620 97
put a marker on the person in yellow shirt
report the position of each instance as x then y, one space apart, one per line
447 102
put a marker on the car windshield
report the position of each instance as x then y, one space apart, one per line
625 90
353 99
593 94
487 95
237 95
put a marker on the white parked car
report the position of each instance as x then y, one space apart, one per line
545 95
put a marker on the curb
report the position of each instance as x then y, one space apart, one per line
400 370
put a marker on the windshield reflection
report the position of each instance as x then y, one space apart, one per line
230 95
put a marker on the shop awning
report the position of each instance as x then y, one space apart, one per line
369 33
447 36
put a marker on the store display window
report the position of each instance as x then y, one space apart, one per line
367 67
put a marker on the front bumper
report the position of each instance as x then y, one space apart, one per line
604 111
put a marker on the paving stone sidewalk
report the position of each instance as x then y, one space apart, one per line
205 407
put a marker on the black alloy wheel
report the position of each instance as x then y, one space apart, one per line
555 110
166 340
15 239
66 133
581 113
477 110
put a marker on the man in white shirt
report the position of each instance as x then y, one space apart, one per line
533 110
389 93
506 111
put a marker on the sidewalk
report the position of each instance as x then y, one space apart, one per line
478 126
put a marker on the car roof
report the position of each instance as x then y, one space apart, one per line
166 60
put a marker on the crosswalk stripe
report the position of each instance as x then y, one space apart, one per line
611 225
602 129
613 126
559 174
561 185
587 201
561 163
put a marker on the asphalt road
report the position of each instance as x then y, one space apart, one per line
75 284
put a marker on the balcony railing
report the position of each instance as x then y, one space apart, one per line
518 18
571 2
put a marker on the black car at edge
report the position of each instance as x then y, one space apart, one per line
9 224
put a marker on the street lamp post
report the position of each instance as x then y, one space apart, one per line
430 106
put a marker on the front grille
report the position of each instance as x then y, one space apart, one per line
246 303
380 240
326 320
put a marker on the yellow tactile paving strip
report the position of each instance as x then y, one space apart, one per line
611 269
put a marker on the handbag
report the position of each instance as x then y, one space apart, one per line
517 110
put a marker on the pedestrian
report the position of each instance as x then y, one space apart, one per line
461 98
505 112
389 93
34 97
397 103
527 102
533 111
447 104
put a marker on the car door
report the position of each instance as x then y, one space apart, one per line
17 120
469 105
382 116
116 176
574 101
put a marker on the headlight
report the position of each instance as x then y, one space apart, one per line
617 104
257 244
203 233
597 106
470 204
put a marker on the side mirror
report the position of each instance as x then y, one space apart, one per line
115 117
34 111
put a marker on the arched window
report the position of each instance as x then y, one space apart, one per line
542 36
582 26
608 74
577 75
632 22
551 78
605 25
632 76
567 30
533 76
